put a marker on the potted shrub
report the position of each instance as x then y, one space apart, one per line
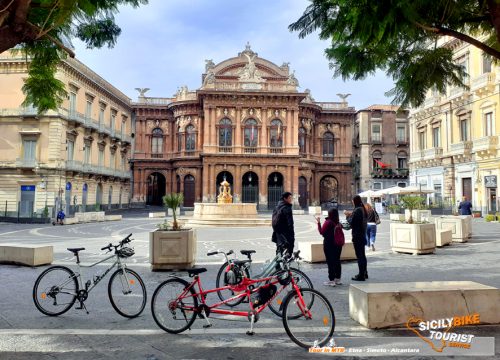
490 217
413 235
171 246
476 214
395 213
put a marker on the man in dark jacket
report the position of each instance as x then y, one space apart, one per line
465 207
284 234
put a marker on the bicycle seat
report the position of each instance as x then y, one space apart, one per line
196 271
75 250
241 262
247 252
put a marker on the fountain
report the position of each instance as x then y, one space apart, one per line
225 212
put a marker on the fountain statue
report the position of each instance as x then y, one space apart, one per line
224 193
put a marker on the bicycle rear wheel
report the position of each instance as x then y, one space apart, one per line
301 279
308 326
55 290
220 282
170 312
127 293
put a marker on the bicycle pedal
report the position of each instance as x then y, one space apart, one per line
250 333
207 326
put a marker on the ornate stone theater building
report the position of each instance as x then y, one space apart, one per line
248 124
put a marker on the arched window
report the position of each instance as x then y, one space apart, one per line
377 157
157 143
190 138
251 133
276 134
225 133
302 140
328 146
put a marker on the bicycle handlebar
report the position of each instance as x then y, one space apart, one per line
212 253
121 243
230 252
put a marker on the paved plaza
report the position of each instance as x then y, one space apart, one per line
103 334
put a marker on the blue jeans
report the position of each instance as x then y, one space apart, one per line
371 234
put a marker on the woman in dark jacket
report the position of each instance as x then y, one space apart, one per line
332 251
358 221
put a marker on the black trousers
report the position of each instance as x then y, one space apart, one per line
359 249
332 255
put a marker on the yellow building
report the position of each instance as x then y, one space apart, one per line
454 136
74 158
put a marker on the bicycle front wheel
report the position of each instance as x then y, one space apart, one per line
308 326
225 294
173 311
55 290
127 293
301 279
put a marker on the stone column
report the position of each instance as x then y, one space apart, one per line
238 139
237 183
199 182
206 175
263 174
263 137
211 182
295 186
208 112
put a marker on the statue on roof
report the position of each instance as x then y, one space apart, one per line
292 80
209 64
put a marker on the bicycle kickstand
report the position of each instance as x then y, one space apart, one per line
82 306
208 325
252 320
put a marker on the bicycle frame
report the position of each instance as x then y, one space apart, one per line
245 284
97 278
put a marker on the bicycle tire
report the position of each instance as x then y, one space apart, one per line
113 298
156 307
276 306
71 278
302 326
220 282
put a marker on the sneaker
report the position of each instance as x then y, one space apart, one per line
329 283
373 247
337 282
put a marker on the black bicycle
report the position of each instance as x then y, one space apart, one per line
58 287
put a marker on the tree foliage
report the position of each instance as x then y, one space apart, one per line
400 37
42 30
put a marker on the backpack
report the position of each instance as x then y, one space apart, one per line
276 218
338 236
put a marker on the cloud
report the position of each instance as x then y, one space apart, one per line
163 46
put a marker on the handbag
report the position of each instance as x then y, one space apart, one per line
338 236
377 218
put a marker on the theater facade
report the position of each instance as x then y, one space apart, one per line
247 123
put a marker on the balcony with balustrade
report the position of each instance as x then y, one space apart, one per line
390 173
433 153
460 149
483 84
485 146
26 163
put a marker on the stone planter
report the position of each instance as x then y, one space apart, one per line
460 226
418 215
313 251
413 238
315 210
397 217
170 250
443 237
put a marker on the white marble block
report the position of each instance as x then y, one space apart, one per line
443 237
385 305
313 251
31 255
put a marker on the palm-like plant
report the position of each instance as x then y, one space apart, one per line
411 203
173 201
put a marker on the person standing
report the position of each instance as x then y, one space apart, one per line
282 222
332 232
465 207
358 221
371 228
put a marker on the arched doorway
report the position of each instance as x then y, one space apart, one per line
303 194
67 199
328 189
274 189
250 193
224 175
156 189
85 189
189 191
98 196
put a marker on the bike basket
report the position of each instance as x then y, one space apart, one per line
284 278
125 252
233 276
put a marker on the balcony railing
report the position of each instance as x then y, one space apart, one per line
390 173
487 143
250 150
276 150
26 163
327 157
401 142
376 139
433 153
417 155
461 148
433 101
157 156
225 149
74 165
484 81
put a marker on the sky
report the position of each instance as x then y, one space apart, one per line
163 46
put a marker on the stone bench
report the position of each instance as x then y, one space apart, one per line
443 237
160 214
298 212
26 254
112 217
385 305
313 251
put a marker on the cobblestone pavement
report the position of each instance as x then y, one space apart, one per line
103 334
